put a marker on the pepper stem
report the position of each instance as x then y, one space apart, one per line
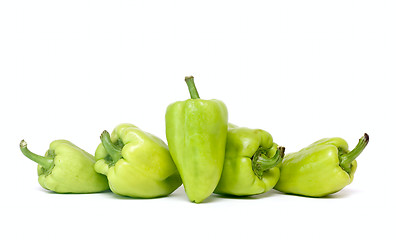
45 162
347 159
191 87
261 163
111 149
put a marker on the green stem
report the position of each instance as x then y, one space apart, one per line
45 162
191 87
347 159
261 163
111 149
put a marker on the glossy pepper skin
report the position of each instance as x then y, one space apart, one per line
250 165
66 168
136 163
196 131
322 168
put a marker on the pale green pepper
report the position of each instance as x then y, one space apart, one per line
250 165
196 131
66 168
324 167
136 163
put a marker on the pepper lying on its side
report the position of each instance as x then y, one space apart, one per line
136 163
66 168
322 168
250 165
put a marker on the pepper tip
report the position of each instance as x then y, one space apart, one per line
281 151
188 78
366 137
103 134
22 144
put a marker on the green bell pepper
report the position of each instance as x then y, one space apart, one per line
136 163
250 165
322 168
196 131
66 168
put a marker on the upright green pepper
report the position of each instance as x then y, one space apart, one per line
322 168
250 162
66 168
196 131
136 163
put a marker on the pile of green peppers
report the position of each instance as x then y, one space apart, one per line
205 153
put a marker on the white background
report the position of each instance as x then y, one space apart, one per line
302 70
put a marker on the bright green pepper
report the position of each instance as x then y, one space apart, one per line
196 131
322 168
250 162
66 168
136 163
